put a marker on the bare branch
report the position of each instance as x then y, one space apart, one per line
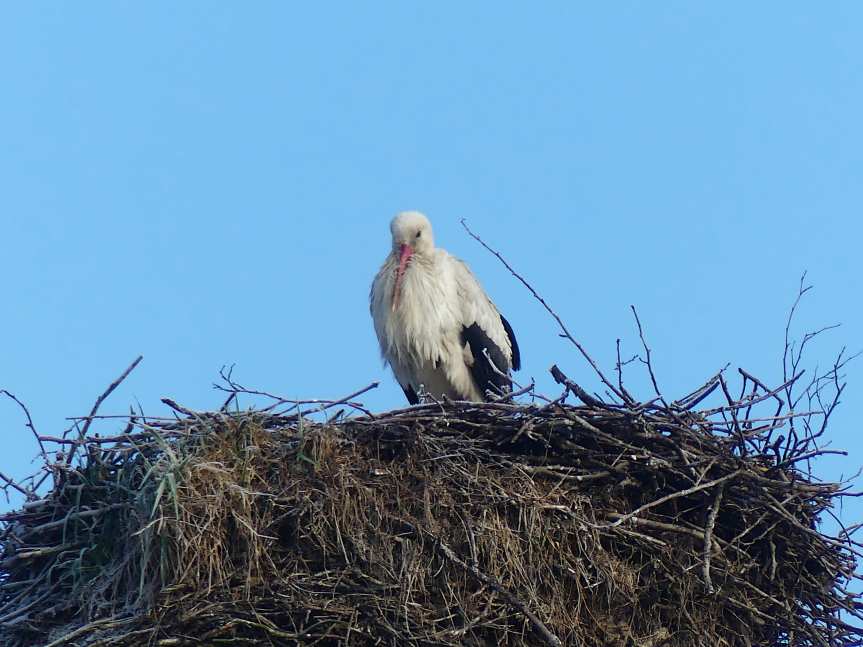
30 424
548 309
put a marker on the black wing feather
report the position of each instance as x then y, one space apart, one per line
483 374
516 354
411 395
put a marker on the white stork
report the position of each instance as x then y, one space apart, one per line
437 328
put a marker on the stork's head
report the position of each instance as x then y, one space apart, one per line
413 230
412 235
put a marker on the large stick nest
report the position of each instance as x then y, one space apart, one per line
440 524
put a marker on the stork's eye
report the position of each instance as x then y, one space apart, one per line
419 233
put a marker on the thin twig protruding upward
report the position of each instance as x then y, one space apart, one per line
316 405
564 330
113 385
30 424
82 433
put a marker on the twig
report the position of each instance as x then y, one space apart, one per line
180 408
548 309
687 402
13 484
345 400
500 373
733 411
506 397
647 359
101 399
234 389
30 424
580 393
89 627
547 636
752 400
619 368
809 455
708 537
669 497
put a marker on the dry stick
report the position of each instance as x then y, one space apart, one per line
669 497
687 402
514 394
180 408
793 362
234 388
708 537
21 610
619 367
733 411
345 400
647 359
566 333
72 516
231 398
30 424
496 370
507 396
759 384
561 378
800 292
120 438
808 455
828 411
115 416
716 544
548 637
83 433
108 392
13 484
742 404
92 626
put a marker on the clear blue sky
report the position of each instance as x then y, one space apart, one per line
211 183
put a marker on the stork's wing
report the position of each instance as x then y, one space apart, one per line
482 371
485 331
410 394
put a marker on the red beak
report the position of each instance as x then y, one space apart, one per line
405 253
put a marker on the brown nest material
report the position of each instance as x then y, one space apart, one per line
441 524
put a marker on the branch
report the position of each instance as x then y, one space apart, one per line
708 537
566 333
665 499
647 360
83 433
547 636
11 483
30 425
579 392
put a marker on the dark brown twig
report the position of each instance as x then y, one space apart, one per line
548 309
15 486
579 392
30 424
647 360
708 539
539 626
671 497
89 419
